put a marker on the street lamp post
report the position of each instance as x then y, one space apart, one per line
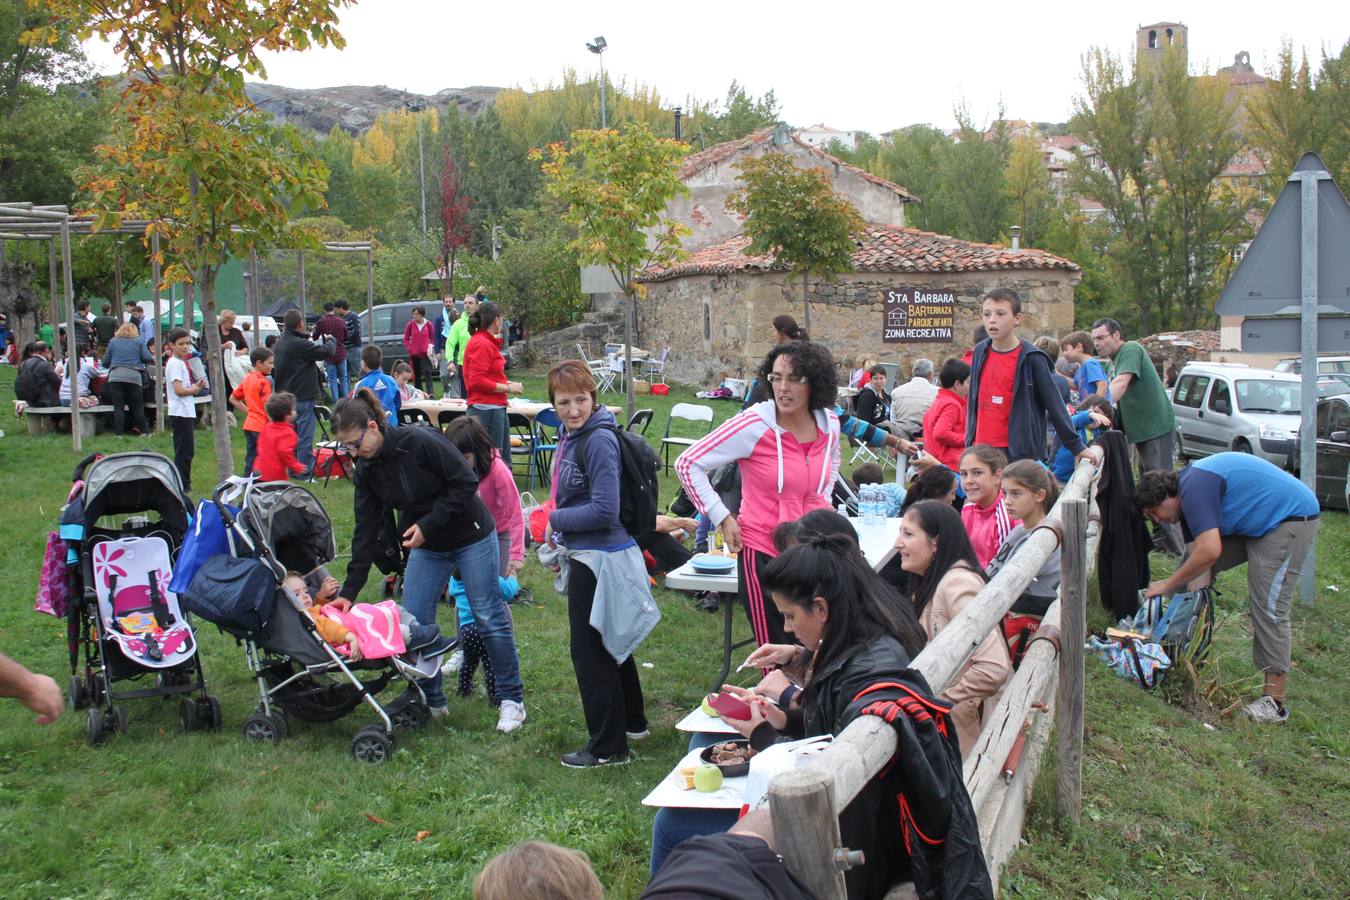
415 106
598 48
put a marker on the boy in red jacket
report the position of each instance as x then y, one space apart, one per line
276 444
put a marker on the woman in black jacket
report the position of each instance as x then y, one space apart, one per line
418 474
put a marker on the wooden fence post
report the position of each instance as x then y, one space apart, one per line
1073 630
806 830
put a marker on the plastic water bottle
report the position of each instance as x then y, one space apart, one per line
869 505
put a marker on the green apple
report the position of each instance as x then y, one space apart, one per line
707 707
707 778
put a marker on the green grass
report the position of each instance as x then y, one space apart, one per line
1170 807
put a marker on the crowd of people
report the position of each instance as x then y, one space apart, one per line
991 437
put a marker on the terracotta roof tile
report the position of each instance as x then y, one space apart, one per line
886 248
717 153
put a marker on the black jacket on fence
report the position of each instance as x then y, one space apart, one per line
915 820
1122 555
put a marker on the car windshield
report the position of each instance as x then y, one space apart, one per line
1279 397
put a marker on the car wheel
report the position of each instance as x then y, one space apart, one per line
1242 445
1181 456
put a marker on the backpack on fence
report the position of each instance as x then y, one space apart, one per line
638 488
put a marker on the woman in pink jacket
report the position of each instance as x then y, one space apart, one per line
944 577
787 449
417 335
497 488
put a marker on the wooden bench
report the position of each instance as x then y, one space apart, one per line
43 419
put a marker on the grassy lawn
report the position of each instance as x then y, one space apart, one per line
1171 807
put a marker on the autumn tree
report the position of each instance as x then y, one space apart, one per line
187 150
1297 111
1030 194
616 187
454 217
794 215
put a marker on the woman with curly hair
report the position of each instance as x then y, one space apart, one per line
787 449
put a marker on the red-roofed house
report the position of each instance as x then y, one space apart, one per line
911 294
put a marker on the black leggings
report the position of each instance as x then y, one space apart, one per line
129 395
184 446
611 695
422 374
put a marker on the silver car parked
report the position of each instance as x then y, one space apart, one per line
1227 406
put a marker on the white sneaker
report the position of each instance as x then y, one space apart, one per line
453 663
1267 709
438 712
512 716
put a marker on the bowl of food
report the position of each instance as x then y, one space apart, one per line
732 757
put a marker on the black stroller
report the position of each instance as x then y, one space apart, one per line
282 528
123 614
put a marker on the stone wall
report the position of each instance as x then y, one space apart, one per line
721 326
704 208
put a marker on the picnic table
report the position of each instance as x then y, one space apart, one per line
877 543
442 411
43 419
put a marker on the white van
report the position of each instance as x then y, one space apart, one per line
1229 406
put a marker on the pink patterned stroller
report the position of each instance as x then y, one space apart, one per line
128 622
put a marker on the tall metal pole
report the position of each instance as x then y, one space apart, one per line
604 122
117 279
421 174
1307 437
256 290
159 331
370 281
72 350
304 304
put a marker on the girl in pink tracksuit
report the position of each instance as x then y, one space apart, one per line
787 449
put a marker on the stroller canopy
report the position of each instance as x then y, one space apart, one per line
135 482
288 524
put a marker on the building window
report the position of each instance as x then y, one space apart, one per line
707 321
1153 40
1169 37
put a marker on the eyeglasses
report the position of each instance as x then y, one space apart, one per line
352 448
776 378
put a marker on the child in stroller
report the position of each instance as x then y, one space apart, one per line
329 618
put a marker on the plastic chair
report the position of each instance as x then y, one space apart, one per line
542 442
641 419
604 378
690 412
520 427
651 368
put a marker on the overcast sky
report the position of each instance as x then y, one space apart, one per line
860 65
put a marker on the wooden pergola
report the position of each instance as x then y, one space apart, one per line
29 222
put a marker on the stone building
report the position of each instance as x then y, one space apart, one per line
715 308
712 178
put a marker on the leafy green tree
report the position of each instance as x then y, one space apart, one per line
913 160
971 172
187 150
1281 117
1030 193
328 275
616 187
795 215
537 279
740 114
1161 139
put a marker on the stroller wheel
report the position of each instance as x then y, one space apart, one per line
119 719
410 716
187 715
78 698
93 690
94 726
372 745
208 713
265 729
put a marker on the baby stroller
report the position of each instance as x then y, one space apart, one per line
282 527
130 625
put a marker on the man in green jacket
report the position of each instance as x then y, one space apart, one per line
459 339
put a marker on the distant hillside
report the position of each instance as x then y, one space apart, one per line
353 108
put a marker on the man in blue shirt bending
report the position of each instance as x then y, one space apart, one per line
1235 508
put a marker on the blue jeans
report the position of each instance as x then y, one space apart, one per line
673 825
425 580
304 431
338 385
494 420
353 364
250 450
